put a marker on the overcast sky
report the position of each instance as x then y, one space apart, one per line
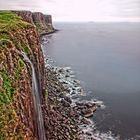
80 10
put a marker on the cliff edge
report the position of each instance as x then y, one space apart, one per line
17 108
43 23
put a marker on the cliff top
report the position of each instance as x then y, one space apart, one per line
10 21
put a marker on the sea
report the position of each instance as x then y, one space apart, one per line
106 59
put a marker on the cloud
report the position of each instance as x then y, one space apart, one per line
21 4
79 9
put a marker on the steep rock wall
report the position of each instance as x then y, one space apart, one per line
26 15
40 22
48 20
43 23
17 112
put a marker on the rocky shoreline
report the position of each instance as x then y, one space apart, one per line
70 117
48 33
69 113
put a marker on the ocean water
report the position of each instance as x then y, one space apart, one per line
106 59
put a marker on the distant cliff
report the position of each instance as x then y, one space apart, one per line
17 110
43 23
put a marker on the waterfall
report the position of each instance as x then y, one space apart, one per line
37 101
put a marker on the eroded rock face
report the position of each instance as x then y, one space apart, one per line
43 23
26 15
39 20
48 20
17 111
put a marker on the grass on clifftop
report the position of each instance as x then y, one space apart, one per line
10 21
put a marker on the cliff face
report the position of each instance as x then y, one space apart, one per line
39 20
26 15
43 23
48 19
17 112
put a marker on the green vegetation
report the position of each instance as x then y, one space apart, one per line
42 29
7 112
10 21
21 64
46 95
39 28
26 49
4 42
11 70
7 94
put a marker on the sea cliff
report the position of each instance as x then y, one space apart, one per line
43 23
17 111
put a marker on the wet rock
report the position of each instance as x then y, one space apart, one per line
67 76
61 95
60 70
65 103
88 112
64 82
80 104
68 99
90 105
73 89
88 133
86 121
73 92
57 90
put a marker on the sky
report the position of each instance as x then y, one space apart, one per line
80 10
